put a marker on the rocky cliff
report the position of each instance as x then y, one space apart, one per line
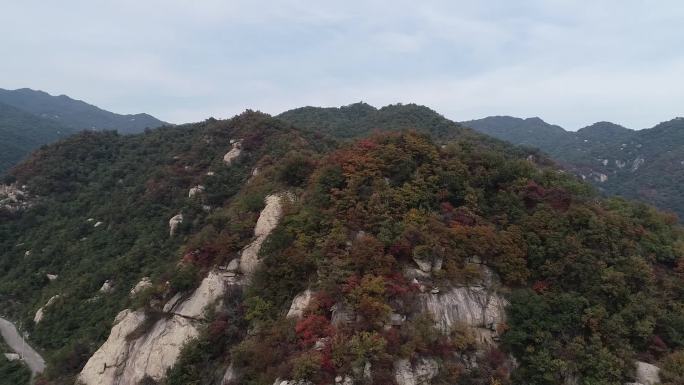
144 345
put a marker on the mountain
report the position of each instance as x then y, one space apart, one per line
29 119
75 114
253 251
21 132
361 119
638 164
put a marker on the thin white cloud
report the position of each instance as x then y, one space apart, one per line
566 61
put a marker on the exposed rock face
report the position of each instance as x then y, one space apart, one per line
123 360
107 287
13 198
144 283
41 312
474 306
268 220
647 374
233 154
418 374
12 356
299 304
212 288
52 277
174 222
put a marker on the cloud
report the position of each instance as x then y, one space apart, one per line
568 62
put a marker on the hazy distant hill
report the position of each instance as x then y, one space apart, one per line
21 132
645 164
29 119
76 113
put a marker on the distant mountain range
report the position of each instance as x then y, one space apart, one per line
643 164
29 119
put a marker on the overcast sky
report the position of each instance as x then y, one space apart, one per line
569 62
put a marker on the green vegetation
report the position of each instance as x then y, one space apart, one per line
593 284
30 119
21 132
643 165
12 372
585 299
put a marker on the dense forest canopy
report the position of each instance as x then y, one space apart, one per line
638 164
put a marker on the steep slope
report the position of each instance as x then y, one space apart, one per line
99 220
22 132
644 165
75 114
249 251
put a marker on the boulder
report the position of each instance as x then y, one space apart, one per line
52 277
233 154
195 191
12 356
647 374
174 222
299 304
107 287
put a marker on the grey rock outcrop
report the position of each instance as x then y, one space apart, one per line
647 374
267 222
124 359
196 191
234 153
41 312
174 222
473 306
419 373
299 304
107 287
14 198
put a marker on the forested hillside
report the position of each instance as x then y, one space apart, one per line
414 251
75 114
646 164
21 132
30 119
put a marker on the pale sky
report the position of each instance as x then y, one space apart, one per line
571 63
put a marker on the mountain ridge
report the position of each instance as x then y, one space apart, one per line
29 119
638 164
